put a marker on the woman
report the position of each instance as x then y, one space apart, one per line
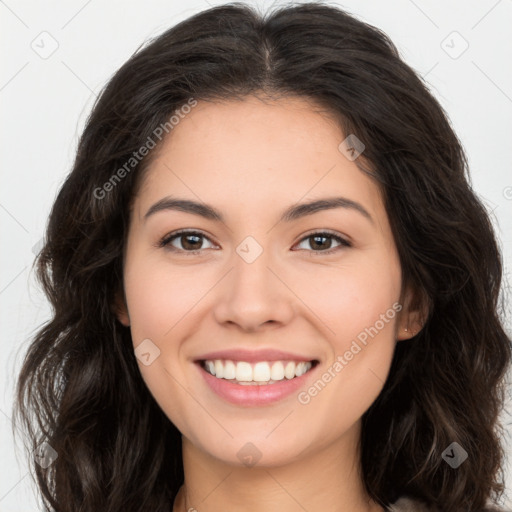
273 286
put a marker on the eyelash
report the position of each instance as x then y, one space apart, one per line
166 240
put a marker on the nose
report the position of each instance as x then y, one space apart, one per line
254 296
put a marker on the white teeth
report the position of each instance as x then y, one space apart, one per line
243 372
289 370
262 372
229 370
277 372
210 367
219 369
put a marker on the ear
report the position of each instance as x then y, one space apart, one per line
120 309
413 316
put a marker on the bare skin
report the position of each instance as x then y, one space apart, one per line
251 160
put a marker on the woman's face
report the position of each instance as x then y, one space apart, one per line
256 281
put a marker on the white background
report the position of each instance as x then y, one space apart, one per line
44 103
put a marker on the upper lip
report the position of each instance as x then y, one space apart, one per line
254 355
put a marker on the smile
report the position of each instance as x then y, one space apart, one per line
258 373
255 384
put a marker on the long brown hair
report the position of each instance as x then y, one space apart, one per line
80 388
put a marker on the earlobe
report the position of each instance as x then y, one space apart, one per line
120 309
406 334
413 315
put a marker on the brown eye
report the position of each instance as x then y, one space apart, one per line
188 241
322 242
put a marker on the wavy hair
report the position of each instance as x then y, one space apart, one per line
80 388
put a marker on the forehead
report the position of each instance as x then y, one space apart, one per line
288 127
256 153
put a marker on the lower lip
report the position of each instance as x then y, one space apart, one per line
254 395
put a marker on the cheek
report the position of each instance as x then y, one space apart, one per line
158 296
351 298
360 307
158 299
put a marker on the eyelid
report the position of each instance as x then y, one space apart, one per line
164 242
343 242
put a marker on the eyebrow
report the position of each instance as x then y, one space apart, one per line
292 213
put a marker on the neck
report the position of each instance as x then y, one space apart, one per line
328 479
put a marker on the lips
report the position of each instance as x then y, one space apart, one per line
252 356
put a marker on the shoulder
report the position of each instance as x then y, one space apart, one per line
406 504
